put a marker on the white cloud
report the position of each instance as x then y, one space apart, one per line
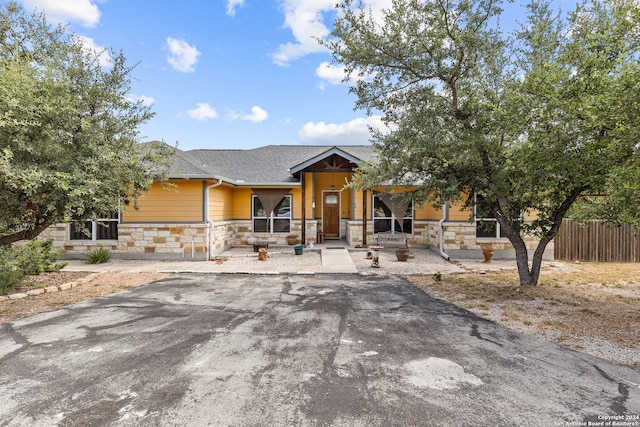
334 74
232 5
58 11
182 56
90 46
377 8
233 115
354 132
257 115
145 100
305 18
331 73
203 111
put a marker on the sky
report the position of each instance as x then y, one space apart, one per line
229 74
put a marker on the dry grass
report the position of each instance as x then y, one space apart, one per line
97 285
595 309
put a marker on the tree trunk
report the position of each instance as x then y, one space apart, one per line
527 278
530 276
24 234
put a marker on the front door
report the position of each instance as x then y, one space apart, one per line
331 214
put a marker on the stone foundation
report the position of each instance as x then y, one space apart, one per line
460 239
189 241
242 232
138 241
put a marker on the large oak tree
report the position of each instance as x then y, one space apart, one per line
68 131
530 121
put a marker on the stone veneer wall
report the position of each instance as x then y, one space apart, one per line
460 239
189 241
243 231
420 236
138 241
222 236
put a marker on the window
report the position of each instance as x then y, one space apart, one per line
384 220
486 224
104 227
278 222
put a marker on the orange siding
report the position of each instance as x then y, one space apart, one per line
242 203
308 181
182 203
428 212
457 214
345 206
357 199
296 203
221 203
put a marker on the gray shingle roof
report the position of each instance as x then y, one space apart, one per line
264 165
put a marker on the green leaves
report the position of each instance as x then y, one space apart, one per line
530 122
68 136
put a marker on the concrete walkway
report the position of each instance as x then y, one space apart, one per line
337 260
332 257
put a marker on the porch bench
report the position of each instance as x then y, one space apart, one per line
259 245
391 239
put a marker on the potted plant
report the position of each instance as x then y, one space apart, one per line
292 239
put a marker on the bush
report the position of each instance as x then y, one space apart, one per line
10 276
18 262
98 255
38 257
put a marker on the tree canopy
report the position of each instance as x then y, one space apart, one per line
68 131
531 121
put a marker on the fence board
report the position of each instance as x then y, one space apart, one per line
596 242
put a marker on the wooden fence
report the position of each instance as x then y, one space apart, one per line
596 242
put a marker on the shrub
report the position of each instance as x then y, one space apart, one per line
17 262
10 276
37 257
98 255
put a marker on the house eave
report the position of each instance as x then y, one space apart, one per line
331 151
267 184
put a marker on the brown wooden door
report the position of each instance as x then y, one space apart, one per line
331 214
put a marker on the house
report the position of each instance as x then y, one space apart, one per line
225 198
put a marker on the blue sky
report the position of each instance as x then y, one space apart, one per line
229 73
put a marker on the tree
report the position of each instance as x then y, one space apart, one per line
530 122
68 133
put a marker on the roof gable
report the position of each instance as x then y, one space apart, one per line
332 152
268 165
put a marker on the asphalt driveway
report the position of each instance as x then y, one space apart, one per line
323 350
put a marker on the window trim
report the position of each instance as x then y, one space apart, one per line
392 218
477 220
270 219
95 223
